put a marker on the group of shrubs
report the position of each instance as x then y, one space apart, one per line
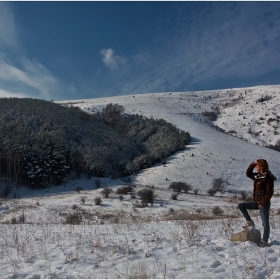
264 98
179 187
211 115
107 191
147 194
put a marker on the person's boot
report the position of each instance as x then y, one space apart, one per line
249 225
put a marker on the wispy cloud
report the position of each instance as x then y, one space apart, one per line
216 41
20 76
111 60
234 41
196 46
5 93
30 78
7 26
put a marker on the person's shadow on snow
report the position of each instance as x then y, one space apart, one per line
275 243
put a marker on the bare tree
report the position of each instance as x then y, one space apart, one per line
219 185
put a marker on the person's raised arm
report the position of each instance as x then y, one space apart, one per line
249 172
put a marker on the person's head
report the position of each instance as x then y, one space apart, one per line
262 165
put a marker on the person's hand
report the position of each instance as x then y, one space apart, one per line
260 206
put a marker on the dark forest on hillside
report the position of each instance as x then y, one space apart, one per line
42 142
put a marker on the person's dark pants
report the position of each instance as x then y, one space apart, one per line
264 215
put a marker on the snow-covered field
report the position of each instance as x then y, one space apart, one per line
173 238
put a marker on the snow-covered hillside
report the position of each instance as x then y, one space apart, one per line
211 153
173 238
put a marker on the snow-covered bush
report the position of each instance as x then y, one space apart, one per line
175 186
180 186
73 219
211 192
211 115
219 185
174 196
147 196
106 192
124 190
97 200
217 211
264 98
83 200
74 207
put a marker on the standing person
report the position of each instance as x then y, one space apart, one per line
262 193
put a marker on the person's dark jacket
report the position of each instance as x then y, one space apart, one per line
263 185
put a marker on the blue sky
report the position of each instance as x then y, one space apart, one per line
74 50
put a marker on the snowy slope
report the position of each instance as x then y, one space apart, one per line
118 240
214 152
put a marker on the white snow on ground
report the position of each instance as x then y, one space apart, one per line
172 238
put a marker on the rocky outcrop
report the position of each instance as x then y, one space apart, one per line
252 235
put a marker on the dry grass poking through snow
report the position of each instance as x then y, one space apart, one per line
173 249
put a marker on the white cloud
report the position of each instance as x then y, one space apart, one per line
7 25
31 74
19 75
111 60
5 93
